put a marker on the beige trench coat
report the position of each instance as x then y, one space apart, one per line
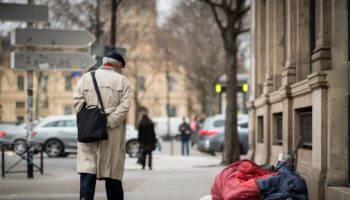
104 158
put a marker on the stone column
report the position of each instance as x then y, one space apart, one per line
269 47
303 40
337 162
261 44
321 57
318 84
253 81
289 73
278 42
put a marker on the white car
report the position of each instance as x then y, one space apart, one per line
161 126
59 136
132 144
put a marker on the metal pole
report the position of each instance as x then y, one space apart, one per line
113 24
41 159
348 69
168 105
29 116
3 160
29 124
97 27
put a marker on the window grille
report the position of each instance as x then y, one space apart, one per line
278 128
306 128
260 129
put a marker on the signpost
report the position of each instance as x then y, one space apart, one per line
51 38
51 61
31 61
24 12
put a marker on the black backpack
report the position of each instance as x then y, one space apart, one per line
92 120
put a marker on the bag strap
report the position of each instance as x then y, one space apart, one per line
97 91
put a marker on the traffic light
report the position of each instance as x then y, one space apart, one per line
245 87
218 88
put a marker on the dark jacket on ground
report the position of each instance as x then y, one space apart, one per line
285 185
147 137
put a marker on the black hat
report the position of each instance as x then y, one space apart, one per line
116 56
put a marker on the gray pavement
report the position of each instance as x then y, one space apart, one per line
173 177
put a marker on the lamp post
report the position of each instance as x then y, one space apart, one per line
30 73
168 104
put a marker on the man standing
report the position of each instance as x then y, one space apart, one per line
104 160
185 131
147 137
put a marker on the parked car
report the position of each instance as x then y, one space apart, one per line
161 126
211 137
16 135
132 143
59 136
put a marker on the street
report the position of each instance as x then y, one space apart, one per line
173 177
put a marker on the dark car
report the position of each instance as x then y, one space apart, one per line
211 137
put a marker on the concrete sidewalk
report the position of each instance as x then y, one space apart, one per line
172 178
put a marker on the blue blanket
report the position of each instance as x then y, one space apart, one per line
285 185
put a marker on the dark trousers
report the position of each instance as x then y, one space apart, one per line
144 154
184 145
114 188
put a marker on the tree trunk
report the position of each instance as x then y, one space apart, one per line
231 150
137 103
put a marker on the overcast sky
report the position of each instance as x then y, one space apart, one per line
165 9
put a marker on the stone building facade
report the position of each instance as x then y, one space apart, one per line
300 87
146 67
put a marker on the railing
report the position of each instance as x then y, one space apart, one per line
38 148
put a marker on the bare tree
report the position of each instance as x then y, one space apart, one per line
194 44
137 35
229 15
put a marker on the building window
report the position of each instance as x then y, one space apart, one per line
45 104
20 83
305 117
312 26
20 105
141 83
260 129
68 110
44 83
278 128
20 119
68 83
172 111
172 84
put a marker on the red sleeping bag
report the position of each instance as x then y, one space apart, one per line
237 181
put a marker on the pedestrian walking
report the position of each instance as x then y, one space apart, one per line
147 138
185 131
194 129
104 160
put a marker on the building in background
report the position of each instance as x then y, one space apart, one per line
299 88
146 71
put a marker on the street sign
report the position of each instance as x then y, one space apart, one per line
51 38
51 61
98 51
101 50
24 12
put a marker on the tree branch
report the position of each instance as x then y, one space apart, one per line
230 4
243 12
213 3
213 7
243 31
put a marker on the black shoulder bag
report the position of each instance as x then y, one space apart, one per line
91 120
